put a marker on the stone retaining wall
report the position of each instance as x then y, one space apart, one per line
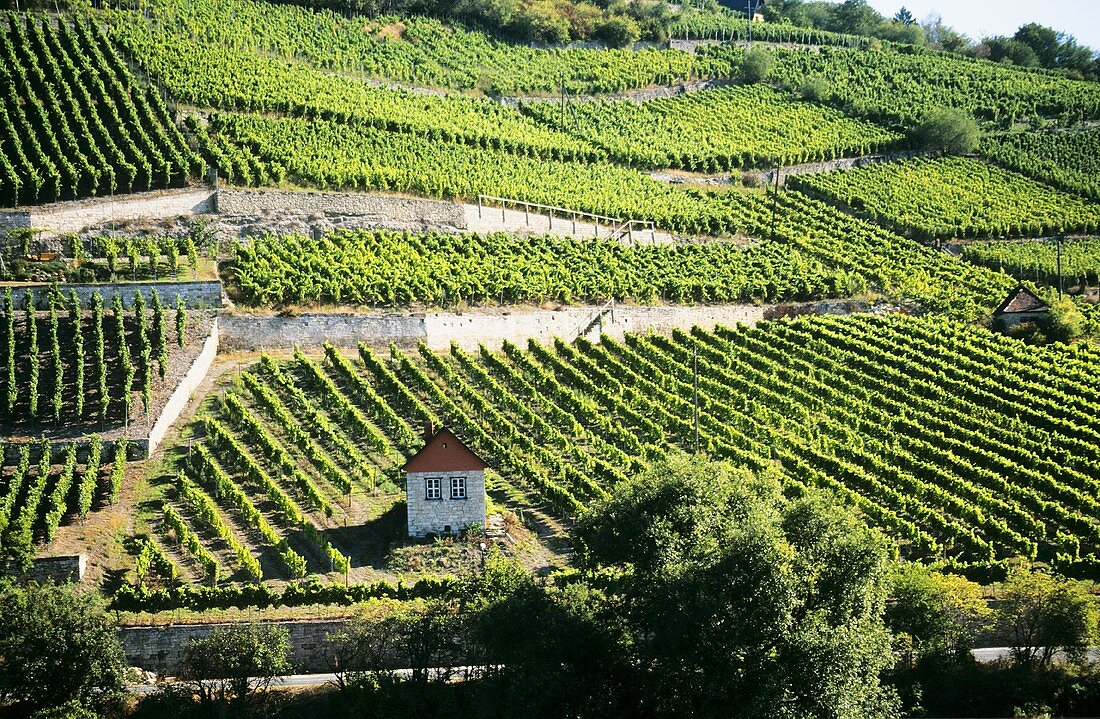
60 570
182 394
199 294
385 211
74 216
161 649
439 329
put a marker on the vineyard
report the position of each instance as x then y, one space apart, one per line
898 87
717 130
108 258
336 156
99 365
1070 160
222 77
75 120
965 447
1038 261
727 27
398 269
42 485
413 50
954 197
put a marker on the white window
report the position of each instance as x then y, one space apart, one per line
458 488
433 488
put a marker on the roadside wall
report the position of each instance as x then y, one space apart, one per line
182 394
205 294
73 216
60 570
385 211
160 649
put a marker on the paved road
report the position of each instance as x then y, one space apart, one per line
992 654
307 680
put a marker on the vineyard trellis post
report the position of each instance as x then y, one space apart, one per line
695 391
1061 287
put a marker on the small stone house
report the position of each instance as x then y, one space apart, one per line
445 485
1021 305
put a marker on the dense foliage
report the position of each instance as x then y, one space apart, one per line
954 197
76 121
1038 261
388 269
896 87
1070 160
415 50
716 130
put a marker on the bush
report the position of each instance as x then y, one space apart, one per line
756 65
235 666
619 32
815 89
948 131
541 22
1065 322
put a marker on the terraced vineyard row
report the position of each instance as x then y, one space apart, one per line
964 446
1070 160
69 365
412 50
954 197
728 27
717 130
398 269
75 121
37 494
1038 261
899 87
220 76
328 154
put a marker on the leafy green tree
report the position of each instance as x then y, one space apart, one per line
1044 615
855 17
1044 41
733 595
619 31
948 131
57 645
933 615
233 668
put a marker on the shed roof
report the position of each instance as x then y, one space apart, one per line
1022 301
445 452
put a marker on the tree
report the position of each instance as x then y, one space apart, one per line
943 37
234 667
619 31
732 595
935 616
756 65
855 17
57 646
540 21
948 131
1043 615
905 17
1045 42
1064 322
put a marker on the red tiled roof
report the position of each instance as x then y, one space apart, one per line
1022 301
445 452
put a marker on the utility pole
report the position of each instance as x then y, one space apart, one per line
775 199
750 21
1060 283
695 373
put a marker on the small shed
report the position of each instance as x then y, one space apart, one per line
445 485
1021 305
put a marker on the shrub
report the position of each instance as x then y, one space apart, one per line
948 131
756 65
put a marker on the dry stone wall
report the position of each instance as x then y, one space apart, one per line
61 570
74 216
469 329
161 649
205 294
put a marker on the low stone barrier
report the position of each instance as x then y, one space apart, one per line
197 294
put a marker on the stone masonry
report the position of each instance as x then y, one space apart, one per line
434 516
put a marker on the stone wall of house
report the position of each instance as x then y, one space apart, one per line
161 649
434 516
204 294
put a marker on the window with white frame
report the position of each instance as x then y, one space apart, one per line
433 488
458 488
